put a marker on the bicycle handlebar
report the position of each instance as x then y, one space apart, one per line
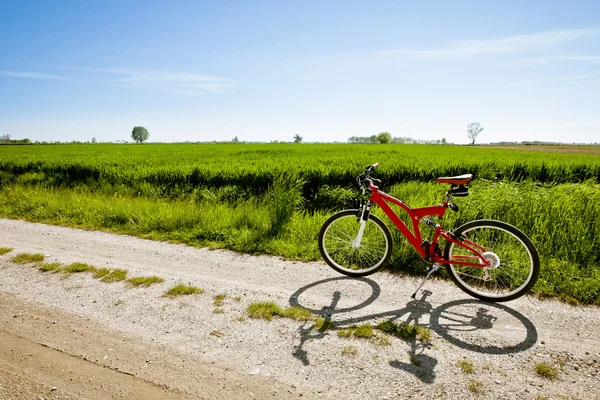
365 176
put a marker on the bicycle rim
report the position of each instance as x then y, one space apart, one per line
345 256
514 264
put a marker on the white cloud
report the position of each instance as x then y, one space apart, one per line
31 75
528 43
177 82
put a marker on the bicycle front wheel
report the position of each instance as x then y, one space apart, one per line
515 263
346 251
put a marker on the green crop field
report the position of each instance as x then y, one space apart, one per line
273 198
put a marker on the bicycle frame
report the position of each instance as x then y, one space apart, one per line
429 251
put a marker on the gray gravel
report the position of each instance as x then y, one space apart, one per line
503 341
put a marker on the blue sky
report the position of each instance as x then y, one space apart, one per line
326 70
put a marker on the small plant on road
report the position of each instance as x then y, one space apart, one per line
26 258
546 371
476 386
466 366
183 290
115 275
50 267
219 299
4 250
145 281
76 268
349 351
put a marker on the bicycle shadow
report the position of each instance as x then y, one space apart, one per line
458 322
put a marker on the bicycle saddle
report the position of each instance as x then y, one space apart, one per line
455 180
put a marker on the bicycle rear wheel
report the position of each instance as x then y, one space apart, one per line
342 252
515 264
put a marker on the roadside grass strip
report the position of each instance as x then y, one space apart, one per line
267 310
27 258
144 281
183 290
5 250
115 275
50 267
77 268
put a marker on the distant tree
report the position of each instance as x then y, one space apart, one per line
93 140
235 140
444 141
384 137
6 139
139 134
473 130
297 139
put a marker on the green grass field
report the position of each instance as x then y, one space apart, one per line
273 198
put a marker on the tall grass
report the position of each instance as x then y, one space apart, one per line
273 199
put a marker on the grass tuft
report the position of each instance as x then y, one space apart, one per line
76 268
50 267
323 324
219 299
102 272
476 386
298 314
546 371
264 310
349 351
26 258
116 275
466 366
4 250
359 331
145 281
183 290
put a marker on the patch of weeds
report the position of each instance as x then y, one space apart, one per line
466 366
405 331
414 360
359 331
219 299
349 351
323 324
298 313
237 299
264 310
242 318
77 268
145 281
423 334
102 272
476 386
4 250
183 290
26 258
119 302
116 275
546 371
50 267
218 310
383 340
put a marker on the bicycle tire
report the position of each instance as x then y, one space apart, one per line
338 252
515 261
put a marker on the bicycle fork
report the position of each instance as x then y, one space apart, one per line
434 268
363 217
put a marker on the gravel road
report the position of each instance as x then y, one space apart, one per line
78 338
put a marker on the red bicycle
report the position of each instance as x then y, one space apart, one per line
490 260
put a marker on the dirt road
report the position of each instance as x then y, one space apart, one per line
77 337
